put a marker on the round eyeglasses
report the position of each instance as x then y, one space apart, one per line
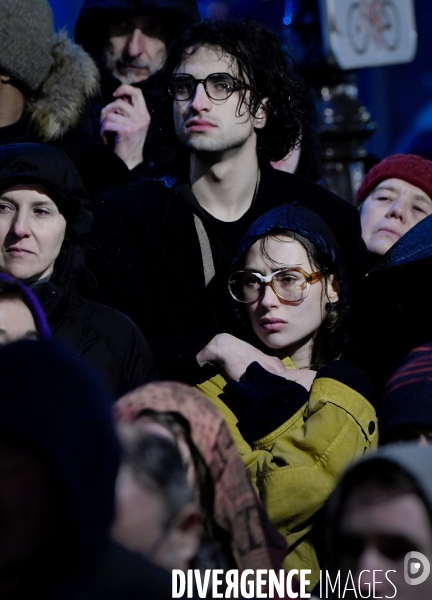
288 284
218 86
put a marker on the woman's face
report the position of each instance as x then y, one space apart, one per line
392 209
278 323
32 231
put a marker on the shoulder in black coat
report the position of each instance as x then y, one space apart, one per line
149 262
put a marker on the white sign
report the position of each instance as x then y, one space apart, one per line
368 33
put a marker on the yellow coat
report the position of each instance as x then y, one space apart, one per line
294 468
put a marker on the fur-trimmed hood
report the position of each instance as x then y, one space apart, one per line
59 104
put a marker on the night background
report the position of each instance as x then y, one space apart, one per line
393 94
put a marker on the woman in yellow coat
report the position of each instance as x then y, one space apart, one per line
298 413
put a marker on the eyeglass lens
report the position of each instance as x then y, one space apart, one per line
218 86
247 287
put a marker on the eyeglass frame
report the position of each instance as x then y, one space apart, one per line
238 84
311 278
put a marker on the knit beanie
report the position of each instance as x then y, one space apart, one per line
26 40
407 399
411 168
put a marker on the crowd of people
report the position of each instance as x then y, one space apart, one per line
202 347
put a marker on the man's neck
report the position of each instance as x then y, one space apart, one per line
225 187
12 103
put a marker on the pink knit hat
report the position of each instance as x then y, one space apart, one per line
409 167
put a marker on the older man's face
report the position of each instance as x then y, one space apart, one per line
136 47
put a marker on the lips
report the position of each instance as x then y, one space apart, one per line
390 231
272 324
199 125
17 251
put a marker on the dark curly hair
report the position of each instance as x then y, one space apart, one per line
260 60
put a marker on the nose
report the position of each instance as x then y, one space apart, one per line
200 100
269 298
20 226
398 209
137 43
371 562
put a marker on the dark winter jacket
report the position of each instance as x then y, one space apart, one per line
391 312
107 338
58 115
91 31
150 247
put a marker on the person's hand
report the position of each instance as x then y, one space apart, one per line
234 356
304 377
129 119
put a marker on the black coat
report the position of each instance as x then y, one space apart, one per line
98 166
105 337
392 309
149 263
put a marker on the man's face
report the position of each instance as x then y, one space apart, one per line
392 209
136 48
212 127
377 529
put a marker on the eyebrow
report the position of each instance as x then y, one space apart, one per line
34 202
279 269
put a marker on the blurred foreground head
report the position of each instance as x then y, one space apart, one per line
231 512
157 510
380 513
58 462
405 411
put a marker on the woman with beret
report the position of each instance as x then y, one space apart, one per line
45 226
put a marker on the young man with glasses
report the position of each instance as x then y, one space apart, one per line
232 105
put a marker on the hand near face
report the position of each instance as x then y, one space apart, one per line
129 119
234 356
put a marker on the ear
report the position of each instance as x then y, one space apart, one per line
260 118
187 533
4 78
333 289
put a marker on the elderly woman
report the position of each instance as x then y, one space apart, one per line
393 197
45 226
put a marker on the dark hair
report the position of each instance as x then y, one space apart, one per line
259 59
328 338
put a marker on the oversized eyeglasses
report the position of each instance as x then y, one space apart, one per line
218 86
288 284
